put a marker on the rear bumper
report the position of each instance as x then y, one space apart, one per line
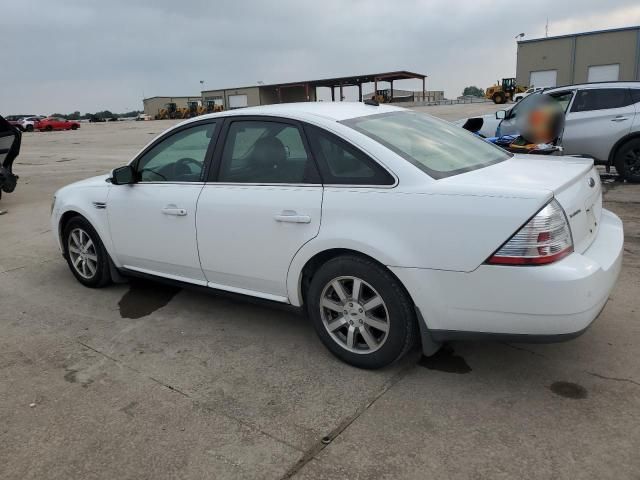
544 303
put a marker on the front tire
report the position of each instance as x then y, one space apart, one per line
85 253
627 160
361 312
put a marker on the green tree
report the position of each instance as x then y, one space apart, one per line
473 91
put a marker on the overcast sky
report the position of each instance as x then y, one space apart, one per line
86 55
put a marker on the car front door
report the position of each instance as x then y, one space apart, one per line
508 126
153 220
262 203
598 118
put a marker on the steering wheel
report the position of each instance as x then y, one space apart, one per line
181 167
151 170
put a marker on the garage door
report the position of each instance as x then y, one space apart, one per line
237 101
543 78
604 73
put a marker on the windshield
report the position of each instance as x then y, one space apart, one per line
434 146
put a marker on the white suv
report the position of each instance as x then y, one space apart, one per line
602 120
519 96
27 124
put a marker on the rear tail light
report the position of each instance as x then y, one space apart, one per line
546 238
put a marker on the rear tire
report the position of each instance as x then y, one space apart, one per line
48 128
29 128
369 326
627 160
86 256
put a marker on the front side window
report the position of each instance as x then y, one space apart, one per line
265 152
563 98
178 158
436 147
601 99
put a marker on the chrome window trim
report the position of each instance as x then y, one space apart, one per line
332 185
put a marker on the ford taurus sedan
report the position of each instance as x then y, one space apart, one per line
387 226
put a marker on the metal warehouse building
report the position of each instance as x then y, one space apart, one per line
601 56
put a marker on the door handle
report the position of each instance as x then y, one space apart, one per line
619 119
178 212
291 216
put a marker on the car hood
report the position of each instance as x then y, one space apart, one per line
99 181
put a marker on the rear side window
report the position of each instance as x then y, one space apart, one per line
601 99
342 163
635 95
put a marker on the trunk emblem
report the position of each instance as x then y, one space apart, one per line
591 182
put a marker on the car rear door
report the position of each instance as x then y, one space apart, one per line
597 119
262 203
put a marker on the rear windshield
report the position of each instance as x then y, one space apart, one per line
436 147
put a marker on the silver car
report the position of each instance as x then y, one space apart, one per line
602 120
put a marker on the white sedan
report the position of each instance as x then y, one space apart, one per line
389 227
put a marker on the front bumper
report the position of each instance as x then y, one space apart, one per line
541 302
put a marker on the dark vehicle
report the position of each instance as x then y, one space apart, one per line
113 119
96 119
10 138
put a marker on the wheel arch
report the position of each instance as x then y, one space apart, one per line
619 143
304 267
96 223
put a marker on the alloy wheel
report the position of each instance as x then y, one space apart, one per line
83 254
632 161
354 314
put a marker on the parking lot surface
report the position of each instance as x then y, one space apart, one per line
142 380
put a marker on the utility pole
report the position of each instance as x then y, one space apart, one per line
546 28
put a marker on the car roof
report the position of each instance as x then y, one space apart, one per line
595 85
336 111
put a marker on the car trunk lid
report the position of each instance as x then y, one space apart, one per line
574 182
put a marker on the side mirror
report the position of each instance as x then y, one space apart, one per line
501 114
123 175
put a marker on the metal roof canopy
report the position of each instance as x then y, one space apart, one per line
354 81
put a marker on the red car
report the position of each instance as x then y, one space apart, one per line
55 123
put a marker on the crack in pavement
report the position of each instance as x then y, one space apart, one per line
593 374
522 349
20 267
615 379
197 403
313 452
